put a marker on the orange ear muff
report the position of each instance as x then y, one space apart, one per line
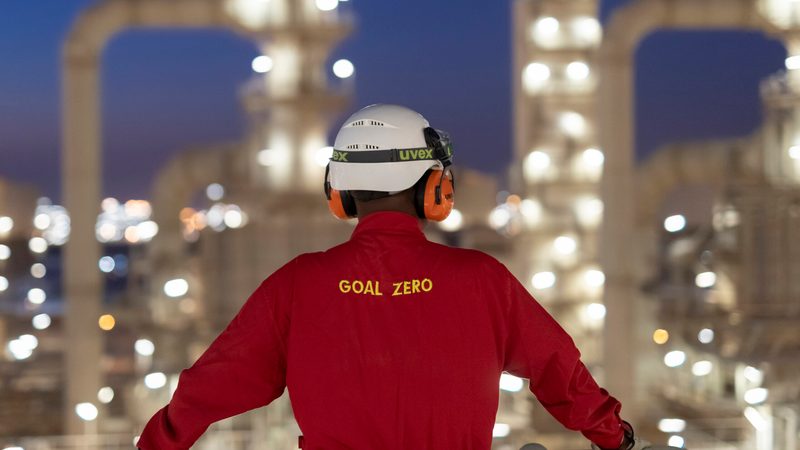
335 205
341 204
439 195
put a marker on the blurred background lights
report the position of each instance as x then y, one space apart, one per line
753 375
671 425
106 264
501 430
106 322
269 157
705 336
6 225
129 221
675 358
593 157
793 62
572 124
343 68
587 30
37 245
596 311
38 270
5 252
176 287
510 383
105 395
499 217
262 64
144 347
53 222
41 321
705 279
535 76
36 296
702 368
41 221
453 222
323 156
594 278
756 396
531 211
20 349
234 217
86 411
756 419
13 448
674 223
577 70
589 211
545 30
29 341
155 380
327 5
3 283
536 164
215 192
565 245
794 152
676 441
543 280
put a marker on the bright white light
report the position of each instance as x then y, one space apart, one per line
674 223
543 280
38 270
343 68
546 27
37 245
13 448
499 217
268 157
596 311
155 380
3 283
29 341
535 75
106 264
674 358
705 336
501 430
793 62
453 222
593 157
671 425
323 156
176 287
536 164
147 230
19 350
755 418
702 368
705 279
794 152
41 221
594 278
572 124
144 347
105 394
86 411
215 192
41 321
327 5
753 375
262 64
107 232
588 30
36 296
565 245
589 211
510 383
233 218
5 252
531 210
676 441
109 204
756 396
6 225
577 70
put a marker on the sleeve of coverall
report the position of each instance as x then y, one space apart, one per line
538 348
244 368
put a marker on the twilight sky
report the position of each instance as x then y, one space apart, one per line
168 90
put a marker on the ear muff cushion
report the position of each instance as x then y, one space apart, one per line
425 196
348 203
341 204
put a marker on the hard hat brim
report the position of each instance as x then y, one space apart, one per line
382 177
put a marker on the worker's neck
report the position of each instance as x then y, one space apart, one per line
400 203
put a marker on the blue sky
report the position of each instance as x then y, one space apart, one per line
168 90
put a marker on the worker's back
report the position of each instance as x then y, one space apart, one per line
395 342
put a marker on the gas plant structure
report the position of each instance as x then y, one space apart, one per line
691 325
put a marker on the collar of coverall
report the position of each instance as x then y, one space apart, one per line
392 222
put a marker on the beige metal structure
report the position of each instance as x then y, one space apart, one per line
296 34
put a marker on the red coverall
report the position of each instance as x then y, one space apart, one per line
387 342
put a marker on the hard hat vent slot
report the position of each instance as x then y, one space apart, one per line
358 123
376 123
353 146
371 147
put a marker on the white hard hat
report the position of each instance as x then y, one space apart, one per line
380 127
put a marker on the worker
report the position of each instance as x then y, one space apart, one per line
388 341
